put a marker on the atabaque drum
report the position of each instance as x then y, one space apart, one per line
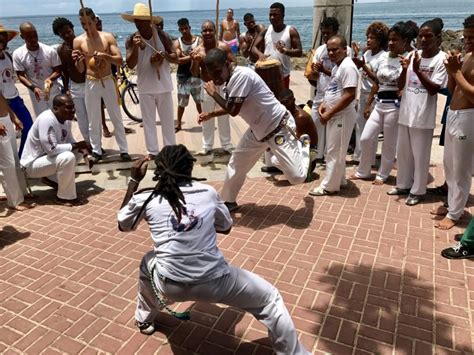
270 71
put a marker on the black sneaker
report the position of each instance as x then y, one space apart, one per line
270 170
458 251
145 328
231 206
125 157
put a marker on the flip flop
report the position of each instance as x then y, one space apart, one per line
107 134
69 203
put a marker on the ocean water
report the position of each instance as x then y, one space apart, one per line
452 13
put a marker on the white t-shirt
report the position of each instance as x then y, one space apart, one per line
321 55
366 84
47 136
387 70
147 77
38 65
271 39
260 109
344 76
7 77
418 107
185 251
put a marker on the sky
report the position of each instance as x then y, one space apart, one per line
47 7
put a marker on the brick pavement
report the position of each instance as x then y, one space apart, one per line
360 273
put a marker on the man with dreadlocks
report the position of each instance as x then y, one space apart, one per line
186 265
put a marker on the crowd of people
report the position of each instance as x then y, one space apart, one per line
390 86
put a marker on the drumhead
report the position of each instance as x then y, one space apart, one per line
268 63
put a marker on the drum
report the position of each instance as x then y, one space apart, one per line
269 70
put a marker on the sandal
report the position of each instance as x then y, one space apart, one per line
24 206
69 203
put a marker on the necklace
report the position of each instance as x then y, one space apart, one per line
35 57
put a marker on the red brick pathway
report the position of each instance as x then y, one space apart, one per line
360 272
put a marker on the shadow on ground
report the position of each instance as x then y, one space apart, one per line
381 309
10 235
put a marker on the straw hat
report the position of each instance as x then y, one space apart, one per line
10 33
141 12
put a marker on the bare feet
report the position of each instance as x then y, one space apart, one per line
446 223
439 211
177 128
378 182
355 177
23 206
106 133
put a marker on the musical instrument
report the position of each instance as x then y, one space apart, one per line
269 70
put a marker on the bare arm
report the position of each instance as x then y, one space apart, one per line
456 76
132 48
296 50
257 43
55 74
78 56
64 72
115 57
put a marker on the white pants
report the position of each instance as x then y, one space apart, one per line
359 128
223 124
458 155
339 131
42 105
383 117
163 103
60 168
320 128
293 159
94 92
413 158
239 288
12 178
78 96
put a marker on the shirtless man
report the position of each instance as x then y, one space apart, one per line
94 52
248 38
459 139
208 33
230 31
73 80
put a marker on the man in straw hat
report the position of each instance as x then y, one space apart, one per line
151 51
37 66
10 92
94 52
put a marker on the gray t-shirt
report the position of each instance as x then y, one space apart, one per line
187 251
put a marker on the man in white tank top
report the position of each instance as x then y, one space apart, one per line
150 53
281 42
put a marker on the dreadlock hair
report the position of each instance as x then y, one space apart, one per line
60 22
380 31
174 165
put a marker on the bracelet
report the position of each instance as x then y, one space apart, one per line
134 180
32 87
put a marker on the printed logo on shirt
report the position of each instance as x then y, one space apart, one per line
414 84
280 140
188 221
7 75
462 138
389 74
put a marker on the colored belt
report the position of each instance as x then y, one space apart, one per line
282 124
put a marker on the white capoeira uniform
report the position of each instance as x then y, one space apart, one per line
321 56
38 66
384 117
77 91
106 89
458 159
365 88
187 265
269 127
155 94
48 153
339 128
223 124
416 124
12 178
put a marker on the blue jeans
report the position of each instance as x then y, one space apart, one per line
18 106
